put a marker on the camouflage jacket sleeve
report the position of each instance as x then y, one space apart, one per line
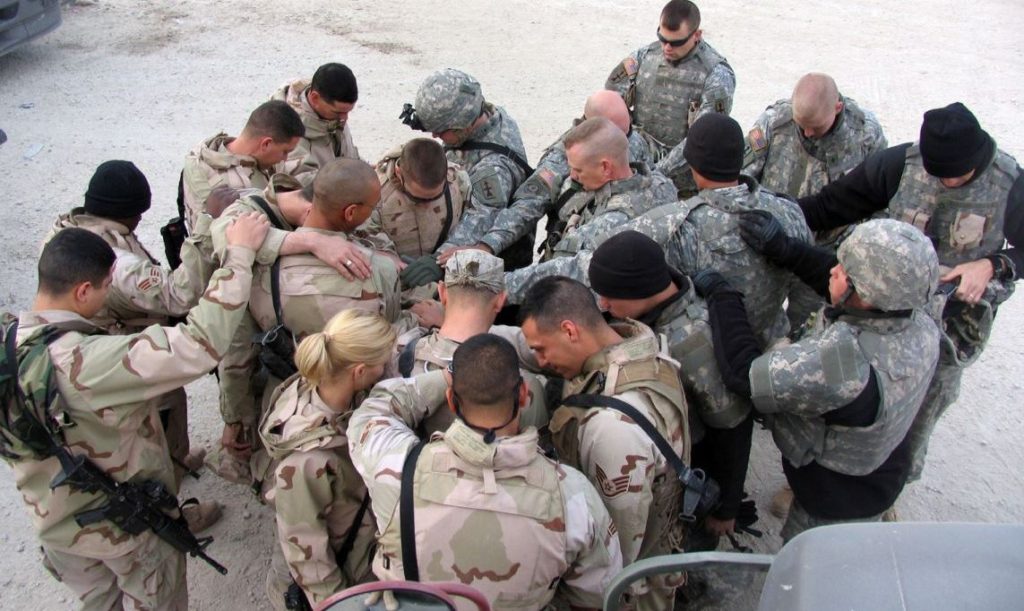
236 370
302 500
531 201
380 434
684 251
271 247
623 75
197 253
519 281
494 180
621 461
592 543
160 359
197 185
139 285
811 377
757 145
719 88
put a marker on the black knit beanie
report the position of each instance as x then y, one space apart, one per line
628 265
117 190
952 142
714 147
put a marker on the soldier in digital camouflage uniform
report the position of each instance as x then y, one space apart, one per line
632 280
421 193
239 401
967 196
491 511
142 292
108 388
565 329
451 106
323 103
612 192
272 131
700 233
472 294
799 145
671 83
841 400
543 193
316 492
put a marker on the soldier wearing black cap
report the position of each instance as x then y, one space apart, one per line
632 280
142 292
968 197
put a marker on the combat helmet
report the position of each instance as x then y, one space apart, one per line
448 99
891 264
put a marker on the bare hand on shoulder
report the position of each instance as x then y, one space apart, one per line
248 230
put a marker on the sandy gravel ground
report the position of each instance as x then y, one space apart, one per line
146 81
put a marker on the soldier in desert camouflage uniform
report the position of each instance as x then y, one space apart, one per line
799 145
483 140
422 197
840 401
472 294
107 389
323 104
543 193
967 196
240 408
317 493
272 131
142 292
632 280
613 192
565 329
491 511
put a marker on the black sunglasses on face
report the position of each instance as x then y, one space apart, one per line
674 43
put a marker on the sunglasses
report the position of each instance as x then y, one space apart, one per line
675 43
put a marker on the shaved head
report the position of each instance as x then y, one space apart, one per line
611 106
815 104
344 182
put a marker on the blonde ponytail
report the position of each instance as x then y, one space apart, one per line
351 337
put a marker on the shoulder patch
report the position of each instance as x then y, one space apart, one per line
153 280
720 107
487 189
757 140
630 65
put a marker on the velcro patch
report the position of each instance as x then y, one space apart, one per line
757 140
487 190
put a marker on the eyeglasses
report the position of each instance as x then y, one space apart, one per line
422 200
674 43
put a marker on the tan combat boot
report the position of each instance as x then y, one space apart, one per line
781 502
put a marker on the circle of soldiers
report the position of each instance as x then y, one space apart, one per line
421 394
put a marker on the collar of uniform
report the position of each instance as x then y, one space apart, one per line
78 217
694 52
726 197
638 341
874 320
505 453
216 154
673 307
31 320
316 126
300 420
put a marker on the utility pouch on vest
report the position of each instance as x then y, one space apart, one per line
965 330
700 492
174 232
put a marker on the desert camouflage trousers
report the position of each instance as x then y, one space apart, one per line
152 577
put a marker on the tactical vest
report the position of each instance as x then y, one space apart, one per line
799 166
416 227
964 224
668 96
903 358
500 531
639 366
687 331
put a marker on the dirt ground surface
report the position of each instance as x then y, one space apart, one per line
147 81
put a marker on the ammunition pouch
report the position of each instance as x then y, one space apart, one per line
277 351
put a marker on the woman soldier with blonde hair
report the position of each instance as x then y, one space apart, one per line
324 527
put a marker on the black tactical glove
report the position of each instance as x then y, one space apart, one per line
420 272
709 282
764 233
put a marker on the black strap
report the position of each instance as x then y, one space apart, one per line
473 145
448 214
407 510
262 203
407 359
694 481
181 194
353 532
